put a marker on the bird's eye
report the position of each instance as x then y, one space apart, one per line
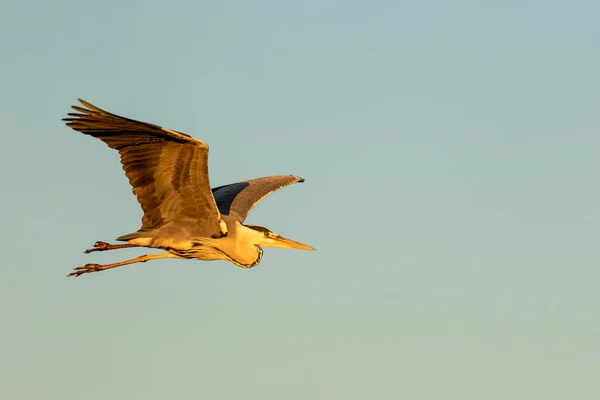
267 234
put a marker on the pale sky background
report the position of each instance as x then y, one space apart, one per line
451 157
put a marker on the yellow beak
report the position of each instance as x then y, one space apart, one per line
280 241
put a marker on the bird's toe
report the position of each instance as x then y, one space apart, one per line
97 247
84 269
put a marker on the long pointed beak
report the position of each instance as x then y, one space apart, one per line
292 244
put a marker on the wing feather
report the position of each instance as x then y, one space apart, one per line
239 198
168 170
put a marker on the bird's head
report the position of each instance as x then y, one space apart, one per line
265 237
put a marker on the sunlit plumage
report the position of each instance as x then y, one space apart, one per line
168 171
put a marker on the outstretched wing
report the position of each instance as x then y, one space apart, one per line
240 198
168 170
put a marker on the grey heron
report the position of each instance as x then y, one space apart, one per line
182 215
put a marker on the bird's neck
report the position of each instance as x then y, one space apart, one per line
246 252
249 263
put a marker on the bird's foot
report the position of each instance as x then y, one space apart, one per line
84 269
98 246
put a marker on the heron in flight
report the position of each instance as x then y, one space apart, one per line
168 171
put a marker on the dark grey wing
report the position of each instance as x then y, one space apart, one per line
168 170
239 198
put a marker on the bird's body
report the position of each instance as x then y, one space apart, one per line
236 246
168 171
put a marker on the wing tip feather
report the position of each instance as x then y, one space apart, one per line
299 179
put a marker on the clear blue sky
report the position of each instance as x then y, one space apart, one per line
451 157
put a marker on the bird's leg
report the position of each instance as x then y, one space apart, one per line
97 267
102 246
